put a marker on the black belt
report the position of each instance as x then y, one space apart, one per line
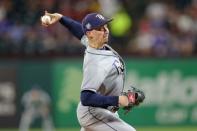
113 108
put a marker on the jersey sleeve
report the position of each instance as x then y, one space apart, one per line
45 98
73 26
25 98
84 41
93 78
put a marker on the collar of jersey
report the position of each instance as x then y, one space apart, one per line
99 52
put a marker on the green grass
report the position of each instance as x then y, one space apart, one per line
138 129
167 129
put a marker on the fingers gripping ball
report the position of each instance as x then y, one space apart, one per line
135 97
46 19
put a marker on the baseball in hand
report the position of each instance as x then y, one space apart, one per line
46 19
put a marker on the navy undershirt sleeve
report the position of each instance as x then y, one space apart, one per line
90 98
73 26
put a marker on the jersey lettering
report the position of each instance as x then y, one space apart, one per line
119 66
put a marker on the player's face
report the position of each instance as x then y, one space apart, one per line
99 36
103 31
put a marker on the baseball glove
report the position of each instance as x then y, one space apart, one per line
135 97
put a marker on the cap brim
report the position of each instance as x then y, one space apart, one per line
107 21
104 23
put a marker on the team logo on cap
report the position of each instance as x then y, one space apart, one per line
88 26
100 16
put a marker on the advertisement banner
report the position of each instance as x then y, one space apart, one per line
170 87
8 96
171 91
67 77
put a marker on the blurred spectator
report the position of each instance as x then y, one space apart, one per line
36 104
155 28
22 34
166 31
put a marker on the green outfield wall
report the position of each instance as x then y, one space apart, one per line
170 87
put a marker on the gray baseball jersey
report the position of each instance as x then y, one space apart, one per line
36 104
103 73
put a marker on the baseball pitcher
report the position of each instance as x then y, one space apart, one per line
103 75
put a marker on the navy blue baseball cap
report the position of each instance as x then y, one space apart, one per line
93 20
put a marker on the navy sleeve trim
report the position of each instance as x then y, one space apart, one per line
90 98
73 26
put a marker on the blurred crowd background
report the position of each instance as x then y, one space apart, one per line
144 28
